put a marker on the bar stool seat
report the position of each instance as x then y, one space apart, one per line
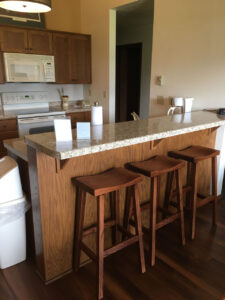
109 182
154 168
193 155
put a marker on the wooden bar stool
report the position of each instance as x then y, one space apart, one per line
193 155
154 168
109 182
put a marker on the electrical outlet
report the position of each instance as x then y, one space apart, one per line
160 100
89 92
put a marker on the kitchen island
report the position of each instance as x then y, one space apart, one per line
52 166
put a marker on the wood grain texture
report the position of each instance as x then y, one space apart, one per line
2 73
54 201
40 42
8 129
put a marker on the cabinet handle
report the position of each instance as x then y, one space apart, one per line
74 79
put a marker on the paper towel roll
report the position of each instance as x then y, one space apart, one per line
96 115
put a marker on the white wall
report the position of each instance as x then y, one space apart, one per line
74 91
138 33
189 51
95 20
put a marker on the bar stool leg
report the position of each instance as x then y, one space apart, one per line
194 198
100 245
153 212
188 194
169 191
214 188
180 203
79 222
114 204
137 215
127 211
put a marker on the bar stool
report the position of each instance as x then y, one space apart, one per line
193 155
154 168
109 182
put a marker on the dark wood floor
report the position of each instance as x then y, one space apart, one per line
196 271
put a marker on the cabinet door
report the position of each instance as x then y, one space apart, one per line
2 72
40 42
87 116
80 58
61 43
14 40
76 117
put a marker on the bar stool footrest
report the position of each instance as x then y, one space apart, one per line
121 245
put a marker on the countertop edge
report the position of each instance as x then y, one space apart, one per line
122 143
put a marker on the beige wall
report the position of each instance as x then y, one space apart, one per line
189 51
95 20
65 16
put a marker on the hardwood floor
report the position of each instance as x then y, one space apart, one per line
196 271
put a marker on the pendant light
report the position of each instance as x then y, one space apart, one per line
27 6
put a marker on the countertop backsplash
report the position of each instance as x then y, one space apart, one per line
74 91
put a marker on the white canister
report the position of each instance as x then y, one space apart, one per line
188 102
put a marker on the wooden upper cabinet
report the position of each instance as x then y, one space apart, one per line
13 39
61 46
40 42
80 58
2 75
26 41
72 58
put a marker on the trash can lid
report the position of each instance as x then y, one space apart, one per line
6 165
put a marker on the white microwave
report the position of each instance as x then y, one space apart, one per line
29 67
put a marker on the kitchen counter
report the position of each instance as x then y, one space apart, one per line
72 108
51 171
17 147
126 134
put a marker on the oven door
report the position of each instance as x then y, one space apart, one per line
36 125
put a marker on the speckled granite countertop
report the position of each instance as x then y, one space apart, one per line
112 136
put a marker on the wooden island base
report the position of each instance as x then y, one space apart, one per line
53 195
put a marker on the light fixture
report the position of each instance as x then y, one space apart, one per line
28 6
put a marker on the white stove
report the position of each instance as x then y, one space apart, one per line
32 110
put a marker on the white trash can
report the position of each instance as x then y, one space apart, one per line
13 206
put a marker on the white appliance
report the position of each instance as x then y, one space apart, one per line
180 105
12 215
33 112
29 67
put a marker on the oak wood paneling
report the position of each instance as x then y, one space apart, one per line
8 130
14 39
40 42
61 52
2 73
80 58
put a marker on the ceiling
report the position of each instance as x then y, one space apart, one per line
140 11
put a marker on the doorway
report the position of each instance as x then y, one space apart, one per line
128 80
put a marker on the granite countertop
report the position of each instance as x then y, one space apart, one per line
72 108
112 136
17 147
